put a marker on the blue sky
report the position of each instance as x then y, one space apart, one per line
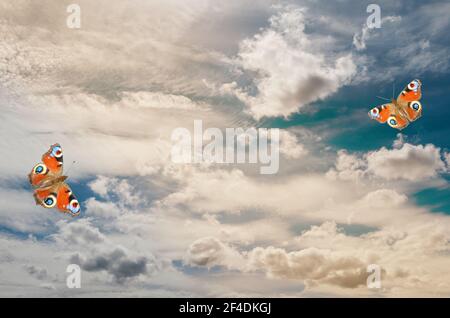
349 192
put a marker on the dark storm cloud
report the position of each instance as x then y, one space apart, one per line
116 263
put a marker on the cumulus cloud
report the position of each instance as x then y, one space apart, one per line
210 251
409 162
99 253
312 265
289 145
404 162
81 232
115 262
101 209
348 166
325 255
288 73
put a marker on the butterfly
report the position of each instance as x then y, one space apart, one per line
400 112
50 189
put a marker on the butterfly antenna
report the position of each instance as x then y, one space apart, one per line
384 98
393 90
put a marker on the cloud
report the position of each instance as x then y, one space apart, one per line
325 255
360 38
409 162
19 212
38 273
404 162
348 167
101 209
311 265
99 253
288 73
209 251
236 192
314 265
289 145
116 263
80 232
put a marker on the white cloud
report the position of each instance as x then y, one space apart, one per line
80 232
409 162
101 209
19 212
312 265
288 73
289 145
404 162
348 167
209 251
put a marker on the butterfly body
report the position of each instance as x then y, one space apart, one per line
50 188
403 110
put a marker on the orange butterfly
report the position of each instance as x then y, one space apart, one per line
399 113
50 190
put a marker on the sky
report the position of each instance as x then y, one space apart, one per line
349 191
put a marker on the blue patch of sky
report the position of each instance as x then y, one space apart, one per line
436 199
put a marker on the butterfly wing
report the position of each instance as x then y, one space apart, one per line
53 159
50 168
409 98
39 174
398 120
390 114
66 200
59 196
381 113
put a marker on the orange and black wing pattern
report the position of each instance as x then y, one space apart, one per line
389 113
50 168
400 112
409 100
50 190
59 196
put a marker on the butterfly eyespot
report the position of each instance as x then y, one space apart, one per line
413 85
392 121
40 169
74 206
50 201
374 112
57 152
416 106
